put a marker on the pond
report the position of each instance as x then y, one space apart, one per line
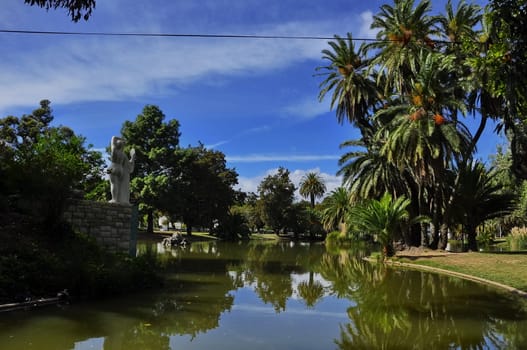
280 296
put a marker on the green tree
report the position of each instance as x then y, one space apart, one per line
506 57
42 165
155 142
276 194
354 92
201 188
335 209
404 29
382 218
77 9
480 199
312 186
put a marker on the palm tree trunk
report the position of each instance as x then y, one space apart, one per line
150 221
443 236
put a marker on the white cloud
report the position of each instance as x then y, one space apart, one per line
69 69
365 30
308 108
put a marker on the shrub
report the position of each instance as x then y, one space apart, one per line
517 238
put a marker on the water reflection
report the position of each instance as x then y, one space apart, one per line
408 309
236 296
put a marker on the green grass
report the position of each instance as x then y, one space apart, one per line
508 269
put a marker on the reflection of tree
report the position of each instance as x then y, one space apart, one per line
410 309
269 268
145 337
310 291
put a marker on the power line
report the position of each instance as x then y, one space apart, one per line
177 35
204 36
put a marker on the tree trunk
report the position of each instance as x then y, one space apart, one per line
424 235
434 233
150 221
443 236
471 238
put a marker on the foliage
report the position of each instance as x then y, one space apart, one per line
336 239
312 186
517 238
233 227
335 208
480 199
44 165
276 196
507 55
200 190
155 142
77 9
408 93
37 266
383 218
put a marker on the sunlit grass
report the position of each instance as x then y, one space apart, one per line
508 269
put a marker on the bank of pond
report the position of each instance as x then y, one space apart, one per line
278 295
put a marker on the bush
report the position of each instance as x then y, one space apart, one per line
39 267
517 238
485 237
337 238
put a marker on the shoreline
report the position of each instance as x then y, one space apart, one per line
465 276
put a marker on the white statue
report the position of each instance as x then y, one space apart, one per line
119 171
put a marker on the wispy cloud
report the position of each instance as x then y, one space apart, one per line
80 69
308 108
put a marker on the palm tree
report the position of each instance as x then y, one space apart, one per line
480 198
367 173
404 30
458 24
335 209
354 90
312 186
425 138
382 218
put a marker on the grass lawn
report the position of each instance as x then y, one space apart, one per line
503 268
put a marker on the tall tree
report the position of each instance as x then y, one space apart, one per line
335 209
201 188
404 29
354 92
507 58
276 194
312 186
155 142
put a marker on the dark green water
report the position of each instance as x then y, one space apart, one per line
278 296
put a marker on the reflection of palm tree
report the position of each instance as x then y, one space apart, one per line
310 291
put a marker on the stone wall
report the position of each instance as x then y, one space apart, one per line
113 225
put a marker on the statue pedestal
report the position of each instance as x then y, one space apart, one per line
113 225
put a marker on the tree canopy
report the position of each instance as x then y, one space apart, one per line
155 142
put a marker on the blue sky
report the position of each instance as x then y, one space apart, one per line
253 99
